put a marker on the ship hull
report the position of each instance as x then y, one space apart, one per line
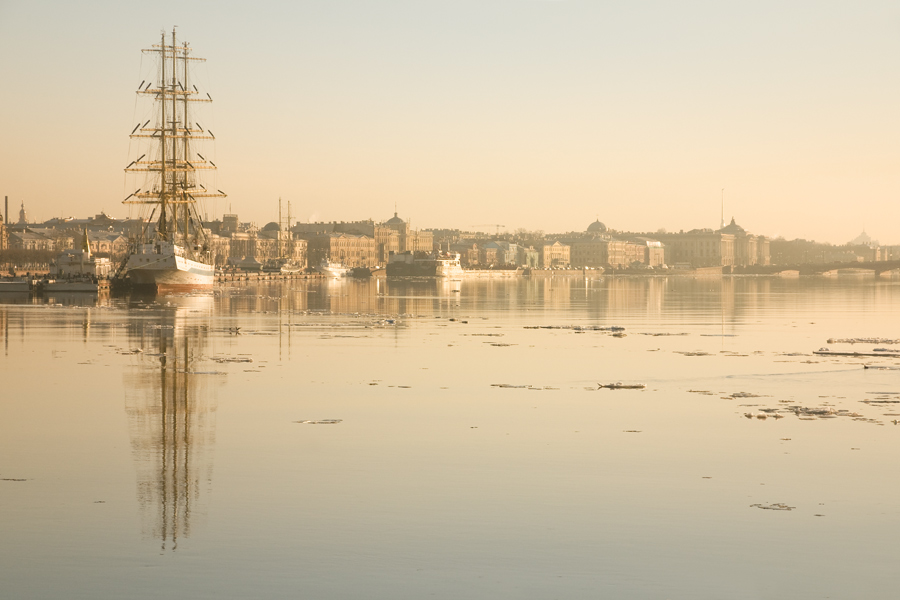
332 270
168 271
425 268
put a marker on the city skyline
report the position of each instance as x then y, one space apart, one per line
534 115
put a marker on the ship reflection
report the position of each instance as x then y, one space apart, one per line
170 406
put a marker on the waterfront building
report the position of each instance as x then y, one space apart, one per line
388 239
528 257
273 243
555 255
599 248
596 252
748 249
469 253
653 251
699 248
4 235
499 254
410 240
258 246
348 249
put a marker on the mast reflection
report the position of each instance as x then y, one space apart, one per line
170 405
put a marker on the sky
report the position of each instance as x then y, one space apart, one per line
535 114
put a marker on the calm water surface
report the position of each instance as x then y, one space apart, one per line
156 447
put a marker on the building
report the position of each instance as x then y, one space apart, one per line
555 256
4 235
597 248
387 240
23 217
113 244
29 240
699 248
469 253
529 257
348 249
499 254
748 249
654 252
409 239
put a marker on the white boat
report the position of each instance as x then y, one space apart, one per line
281 265
332 269
78 270
166 266
176 253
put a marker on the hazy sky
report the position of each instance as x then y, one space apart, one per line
528 113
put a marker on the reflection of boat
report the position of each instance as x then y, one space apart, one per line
420 264
281 265
332 269
177 254
170 407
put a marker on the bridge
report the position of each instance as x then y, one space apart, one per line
877 267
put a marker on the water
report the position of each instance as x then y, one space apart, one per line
475 456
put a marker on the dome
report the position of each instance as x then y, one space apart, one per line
733 228
395 220
273 226
596 227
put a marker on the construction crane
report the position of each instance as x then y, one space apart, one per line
497 225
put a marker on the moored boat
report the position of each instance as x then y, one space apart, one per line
281 265
408 264
15 285
332 269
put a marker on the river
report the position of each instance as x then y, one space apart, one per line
380 439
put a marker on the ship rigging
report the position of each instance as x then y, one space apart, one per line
172 167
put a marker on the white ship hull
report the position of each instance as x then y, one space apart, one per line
162 266
330 269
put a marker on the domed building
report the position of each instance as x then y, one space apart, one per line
273 226
408 240
597 227
748 249
733 228
395 222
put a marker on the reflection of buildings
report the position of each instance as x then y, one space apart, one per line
171 417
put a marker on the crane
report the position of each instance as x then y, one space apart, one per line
497 225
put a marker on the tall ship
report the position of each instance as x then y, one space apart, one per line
172 251
421 264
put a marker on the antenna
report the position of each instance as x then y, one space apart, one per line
722 226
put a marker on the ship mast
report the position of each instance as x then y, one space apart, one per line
176 181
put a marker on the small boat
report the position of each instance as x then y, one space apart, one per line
281 265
